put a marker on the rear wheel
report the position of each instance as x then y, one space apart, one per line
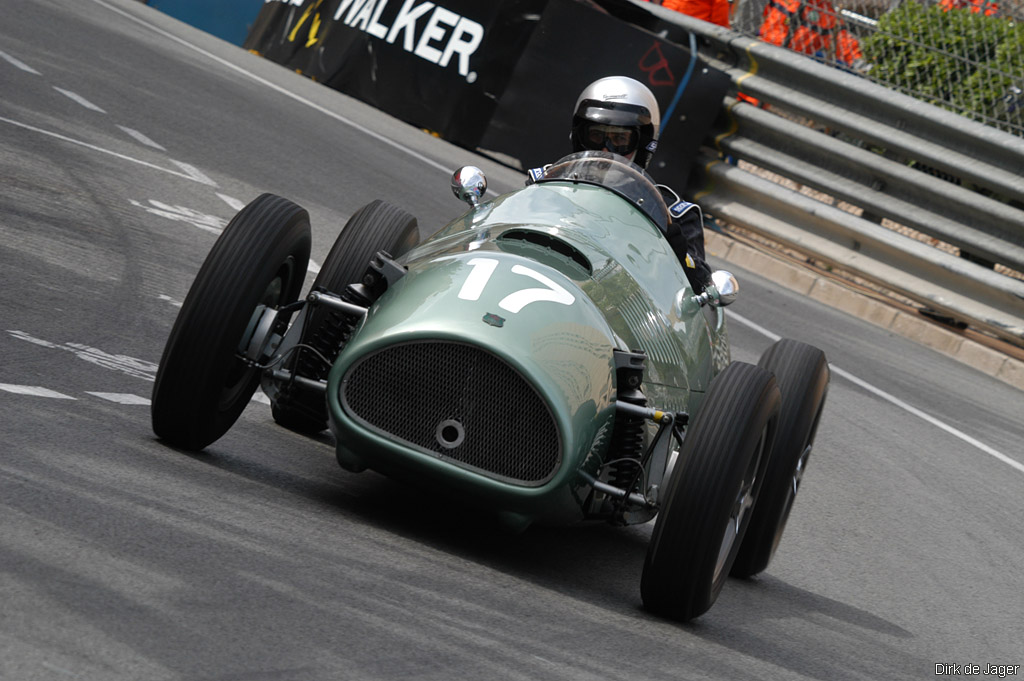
803 375
258 262
711 493
377 226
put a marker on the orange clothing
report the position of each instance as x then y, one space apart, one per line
715 11
810 27
975 6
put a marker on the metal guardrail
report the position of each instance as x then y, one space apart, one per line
942 175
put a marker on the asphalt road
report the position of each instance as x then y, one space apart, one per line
127 140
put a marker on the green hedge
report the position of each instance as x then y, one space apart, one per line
959 60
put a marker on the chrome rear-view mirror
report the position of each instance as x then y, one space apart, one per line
722 292
469 184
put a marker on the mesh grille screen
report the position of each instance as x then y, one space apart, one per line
459 402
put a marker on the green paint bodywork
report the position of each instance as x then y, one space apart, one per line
634 296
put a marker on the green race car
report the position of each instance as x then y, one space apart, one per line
542 356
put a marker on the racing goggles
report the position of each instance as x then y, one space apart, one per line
613 138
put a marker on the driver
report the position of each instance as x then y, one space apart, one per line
620 115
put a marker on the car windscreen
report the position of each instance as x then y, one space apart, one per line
616 174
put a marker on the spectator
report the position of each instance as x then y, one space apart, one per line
715 11
985 7
813 28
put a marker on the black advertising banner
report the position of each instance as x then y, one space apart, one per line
500 75
439 65
269 34
576 44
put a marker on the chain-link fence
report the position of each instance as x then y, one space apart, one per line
963 55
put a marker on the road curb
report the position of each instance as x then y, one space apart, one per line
836 294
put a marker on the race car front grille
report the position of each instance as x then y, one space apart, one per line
459 403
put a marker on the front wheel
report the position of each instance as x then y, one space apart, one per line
711 493
377 226
258 262
803 375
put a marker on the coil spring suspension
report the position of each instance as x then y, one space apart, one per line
331 330
327 333
330 334
627 442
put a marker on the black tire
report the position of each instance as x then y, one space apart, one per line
802 373
377 226
714 484
202 386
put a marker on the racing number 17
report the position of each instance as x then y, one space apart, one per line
483 269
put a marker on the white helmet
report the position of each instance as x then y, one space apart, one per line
617 114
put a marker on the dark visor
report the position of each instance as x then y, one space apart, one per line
618 140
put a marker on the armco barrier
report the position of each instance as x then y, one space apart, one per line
945 176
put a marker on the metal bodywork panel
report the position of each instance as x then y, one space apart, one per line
549 280
637 282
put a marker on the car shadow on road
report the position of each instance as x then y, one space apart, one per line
777 621
600 566
766 617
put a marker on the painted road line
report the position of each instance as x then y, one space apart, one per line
892 399
131 366
168 299
232 202
79 99
209 223
121 398
34 391
287 93
194 173
1013 463
18 63
93 147
139 137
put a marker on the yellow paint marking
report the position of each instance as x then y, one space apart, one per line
710 186
752 71
314 29
302 20
733 123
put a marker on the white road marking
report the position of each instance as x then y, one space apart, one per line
93 147
232 202
18 63
36 341
131 366
892 399
79 99
128 399
209 223
1013 463
168 299
194 173
34 391
60 670
121 398
277 88
139 137
756 327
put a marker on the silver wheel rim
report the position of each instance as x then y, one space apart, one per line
741 507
